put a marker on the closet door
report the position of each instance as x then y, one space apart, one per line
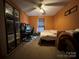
9 18
17 26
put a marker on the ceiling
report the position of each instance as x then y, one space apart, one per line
29 7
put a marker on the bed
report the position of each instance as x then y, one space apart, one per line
49 34
48 38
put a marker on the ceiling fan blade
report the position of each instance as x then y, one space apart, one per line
31 1
36 3
41 0
44 12
31 9
57 4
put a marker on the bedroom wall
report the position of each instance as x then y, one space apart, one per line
49 22
33 21
24 17
67 22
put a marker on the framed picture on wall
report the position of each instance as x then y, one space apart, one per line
74 9
71 10
67 12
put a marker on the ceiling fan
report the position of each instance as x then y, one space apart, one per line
39 3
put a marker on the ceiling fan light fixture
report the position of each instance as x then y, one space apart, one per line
42 11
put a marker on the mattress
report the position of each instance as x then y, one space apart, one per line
49 33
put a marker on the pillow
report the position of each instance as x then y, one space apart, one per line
77 30
70 31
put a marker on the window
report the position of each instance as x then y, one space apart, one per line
40 25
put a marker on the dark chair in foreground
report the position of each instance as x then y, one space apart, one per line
76 37
66 42
26 32
69 43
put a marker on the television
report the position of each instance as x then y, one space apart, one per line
28 28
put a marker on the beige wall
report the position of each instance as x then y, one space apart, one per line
48 21
67 22
33 21
23 17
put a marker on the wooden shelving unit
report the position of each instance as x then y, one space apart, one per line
12 20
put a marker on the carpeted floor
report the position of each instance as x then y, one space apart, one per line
33 50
